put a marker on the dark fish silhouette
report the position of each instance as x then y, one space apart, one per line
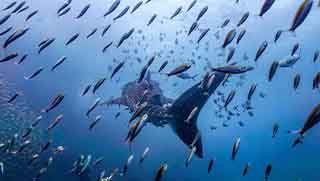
191 5
176 13
31 15
202 12
267 172
92 33
229 38
45 44
240 36
163 168
316 81
136 7
163 65
179 69
6 31
113 7
301 14
311 121
65 11
233 69
117 69
273 70
45 147
278 34
275 130
34 74
4 19
243 18
225 23
296 81
58 63
192 27
251 91
72 39
86 90
246 169
261 49
95 122
54 103
22 59
106 47
23 9
122 13
9 57
64 6
9 6
203 34
15 36
83 11
235 148
143 73
153 17
105 30
210 165
144 154
295 49
316 55
12 98
20 5
267 4
98 84
55 122
125 37
229 98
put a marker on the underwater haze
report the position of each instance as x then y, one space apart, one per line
195 126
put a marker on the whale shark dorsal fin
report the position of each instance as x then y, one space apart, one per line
183 106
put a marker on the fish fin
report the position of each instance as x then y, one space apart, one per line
294 131
183 106
148 77
194 77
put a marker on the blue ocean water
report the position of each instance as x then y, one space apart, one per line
167 39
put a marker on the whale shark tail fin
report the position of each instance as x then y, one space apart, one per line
181 108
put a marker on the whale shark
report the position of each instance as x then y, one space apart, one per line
162 110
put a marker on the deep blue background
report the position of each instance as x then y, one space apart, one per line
86 64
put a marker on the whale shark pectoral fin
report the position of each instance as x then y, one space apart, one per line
184 105
189 134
